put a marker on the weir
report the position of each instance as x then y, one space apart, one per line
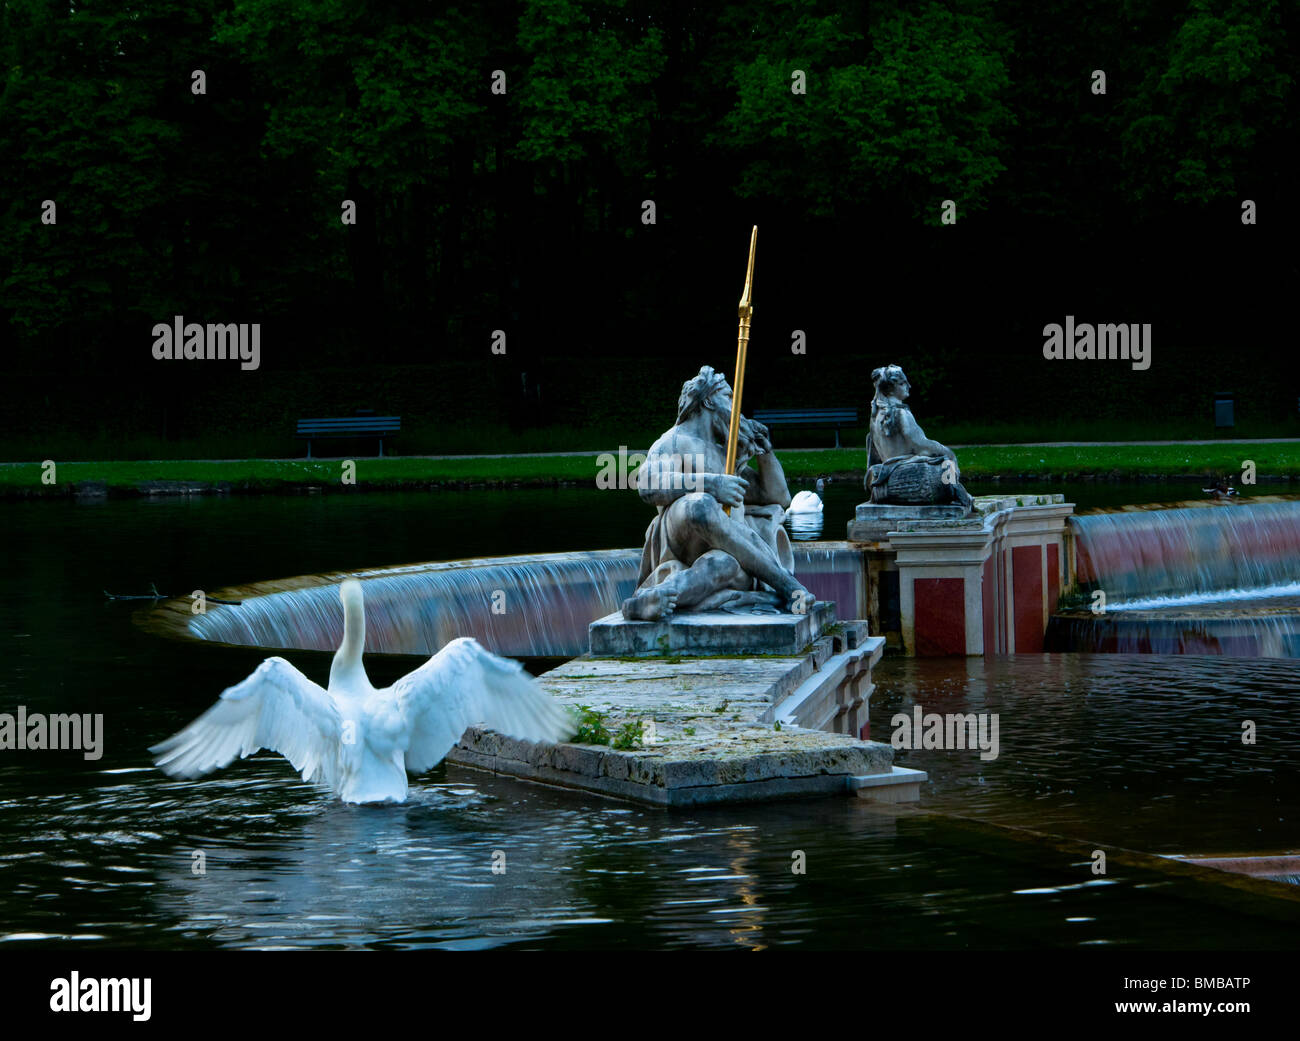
538 605
1207 579
1182 579
983 586
1196 554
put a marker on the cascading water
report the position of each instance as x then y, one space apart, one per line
526 606
1199 580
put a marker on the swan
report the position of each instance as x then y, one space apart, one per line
808 502
360 741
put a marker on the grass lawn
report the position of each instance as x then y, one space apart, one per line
977 461
1280 459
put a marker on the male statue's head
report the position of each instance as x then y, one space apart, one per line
890 382
707 390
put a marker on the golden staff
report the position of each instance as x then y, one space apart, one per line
742 348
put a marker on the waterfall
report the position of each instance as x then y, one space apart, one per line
1195 555
1200 580
528 606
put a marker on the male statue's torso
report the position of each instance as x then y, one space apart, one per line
705 550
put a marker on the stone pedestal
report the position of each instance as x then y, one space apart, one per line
700 634
873 521
983 583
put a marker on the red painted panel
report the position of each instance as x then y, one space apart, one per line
990 604
1004 644
940 616
1053 575
1027 581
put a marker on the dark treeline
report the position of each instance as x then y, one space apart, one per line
524 211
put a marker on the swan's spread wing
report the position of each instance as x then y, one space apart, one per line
277 708
463 685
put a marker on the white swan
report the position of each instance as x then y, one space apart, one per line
360 741
808 502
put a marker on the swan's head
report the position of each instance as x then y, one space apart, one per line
350 593
347 659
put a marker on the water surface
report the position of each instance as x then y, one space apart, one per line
1131 751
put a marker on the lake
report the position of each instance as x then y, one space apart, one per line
1134 751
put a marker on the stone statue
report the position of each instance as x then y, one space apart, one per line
697 556
904 467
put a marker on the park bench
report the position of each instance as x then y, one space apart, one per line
364 424
810 417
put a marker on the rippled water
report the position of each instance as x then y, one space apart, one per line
1131 751
287 867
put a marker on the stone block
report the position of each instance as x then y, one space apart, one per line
873 522
707 633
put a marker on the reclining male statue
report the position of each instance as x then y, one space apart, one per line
904 467
697 556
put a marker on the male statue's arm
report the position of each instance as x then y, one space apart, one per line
660 481
769 487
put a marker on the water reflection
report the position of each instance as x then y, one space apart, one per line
1140 751
288 867
804 527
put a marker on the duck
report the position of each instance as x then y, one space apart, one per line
1221 488
359 741
808 502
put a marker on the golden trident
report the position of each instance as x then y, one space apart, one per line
742 347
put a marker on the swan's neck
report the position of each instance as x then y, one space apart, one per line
346 669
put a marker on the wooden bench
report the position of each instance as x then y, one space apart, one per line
809 417
364 424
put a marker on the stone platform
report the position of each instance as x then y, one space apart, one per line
872 522
710 633
716 730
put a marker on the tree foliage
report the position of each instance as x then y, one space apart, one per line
478 209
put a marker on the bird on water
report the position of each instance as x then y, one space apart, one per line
358 740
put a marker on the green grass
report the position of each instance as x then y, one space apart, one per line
977 462
985 461
439 437
417 438
277 474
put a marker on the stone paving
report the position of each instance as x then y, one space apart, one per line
710 732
